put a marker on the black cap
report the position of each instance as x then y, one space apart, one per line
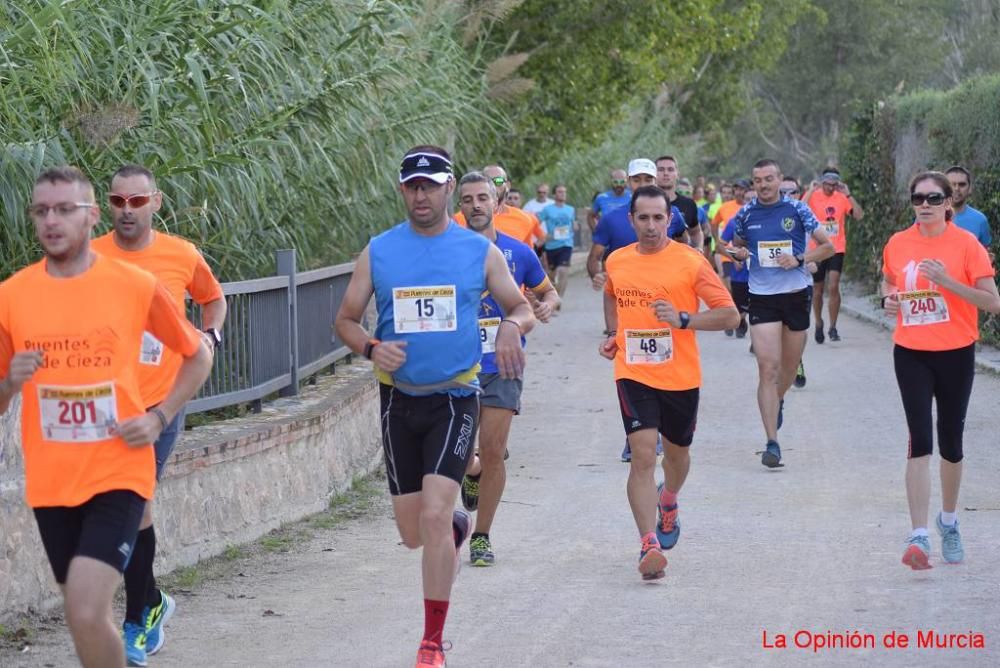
425 165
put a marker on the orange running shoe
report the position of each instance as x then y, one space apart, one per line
652 561
430 655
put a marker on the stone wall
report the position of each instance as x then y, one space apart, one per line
227 483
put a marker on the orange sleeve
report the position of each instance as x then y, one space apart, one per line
710 289
460 219
204 287
169 326
978 263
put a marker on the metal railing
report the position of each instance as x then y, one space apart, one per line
278 330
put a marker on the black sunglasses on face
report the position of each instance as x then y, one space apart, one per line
934 199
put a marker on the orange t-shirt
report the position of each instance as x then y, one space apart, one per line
831 212
722 217
89 328
649 351
180 268
931 317
514 223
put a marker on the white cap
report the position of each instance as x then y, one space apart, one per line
641 166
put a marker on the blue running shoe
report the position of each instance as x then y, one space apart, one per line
135 644
668 526
951 542
155 618
627 453
771 458
781 413
917 554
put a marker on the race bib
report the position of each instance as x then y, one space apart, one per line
648 346
431 308
562 233
81 414
768 252
923 307
151 352
488 328
832 228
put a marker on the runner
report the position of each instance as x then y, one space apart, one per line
483 485
539 201
509 219
684 189
609 200
935 278
559 220
667 173
739 278
181 269
831 203
775 230
71 329
428 276
652 299
514 198
966 216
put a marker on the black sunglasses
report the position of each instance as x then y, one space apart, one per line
934 199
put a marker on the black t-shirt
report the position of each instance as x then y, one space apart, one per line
688 209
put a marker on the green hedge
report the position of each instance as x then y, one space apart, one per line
269 124
924 130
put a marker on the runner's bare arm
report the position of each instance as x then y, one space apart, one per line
824 247
594 266
982 295
387 355
518 317
696 238
213 314
546 302
20 368
608 347
890 302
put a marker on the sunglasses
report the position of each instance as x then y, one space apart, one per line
793 191
133 201
62 210
499 180
934 199
617 182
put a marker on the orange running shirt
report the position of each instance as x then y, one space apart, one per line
179 266
89 328
649 351
831 212
722 217
514 223
930 317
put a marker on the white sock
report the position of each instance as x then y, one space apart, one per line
920 532
948 519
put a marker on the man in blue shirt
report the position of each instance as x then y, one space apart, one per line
772 233
609 199
559 220
967 217
482 487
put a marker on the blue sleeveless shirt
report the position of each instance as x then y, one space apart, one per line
427 292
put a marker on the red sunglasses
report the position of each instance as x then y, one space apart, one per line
133 201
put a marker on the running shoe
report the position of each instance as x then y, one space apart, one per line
819 332
430 654
135 644
470 493
627 453
668 526
771 458
652 561
741 331
730 332
918 549
481 552
951 542
781 413
800 376
155 618
834 335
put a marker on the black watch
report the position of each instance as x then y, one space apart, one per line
801 259
685 318
216 337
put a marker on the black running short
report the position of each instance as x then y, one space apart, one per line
673 413
741 295
788 308
427 435
103 528
559 257
834 263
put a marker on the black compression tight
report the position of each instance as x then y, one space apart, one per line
941 375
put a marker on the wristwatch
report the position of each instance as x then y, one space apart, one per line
801 259
685 319
370 346
216 337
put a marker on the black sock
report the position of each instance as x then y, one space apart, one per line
152 593
137 574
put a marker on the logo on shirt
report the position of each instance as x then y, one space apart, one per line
787 224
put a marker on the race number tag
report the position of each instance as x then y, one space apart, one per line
431 308
562 233
768 252
151 352
832 228
488 328
648 346
923 307
82 414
